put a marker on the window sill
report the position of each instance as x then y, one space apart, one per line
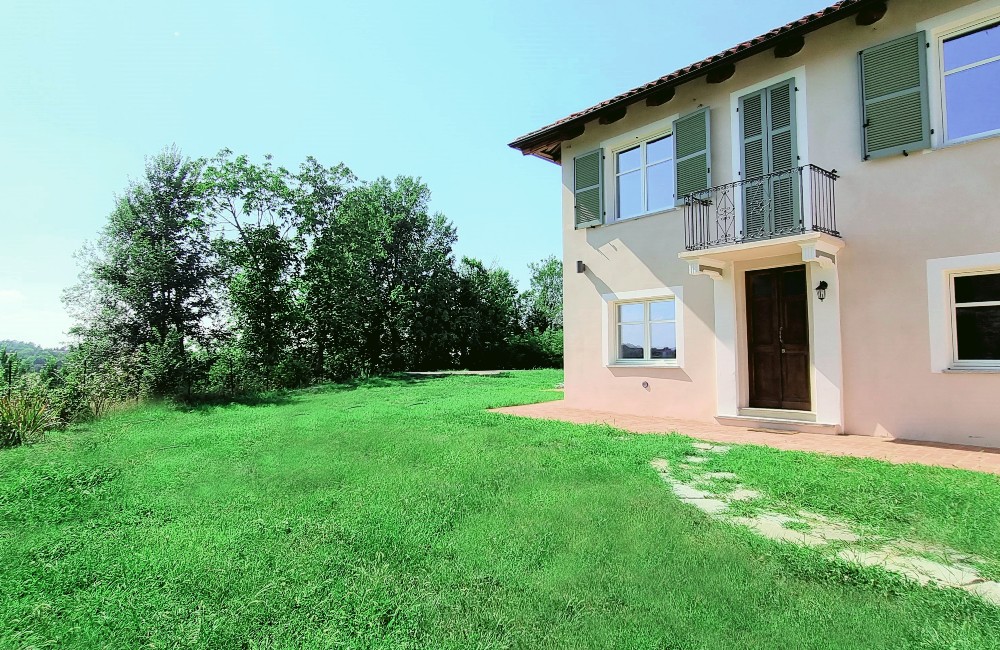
640 217
943 146
995 370
642 364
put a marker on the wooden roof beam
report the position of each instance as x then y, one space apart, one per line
721 73
789 47
871 14
661 97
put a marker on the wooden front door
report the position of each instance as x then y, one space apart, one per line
778 338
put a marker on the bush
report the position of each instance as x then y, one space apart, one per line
537 349
24 418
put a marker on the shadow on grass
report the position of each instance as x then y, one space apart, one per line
211 401
208 402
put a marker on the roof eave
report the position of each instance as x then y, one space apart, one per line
542 142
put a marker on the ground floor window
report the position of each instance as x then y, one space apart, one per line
976 314
646 330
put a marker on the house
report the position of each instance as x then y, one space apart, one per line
800 232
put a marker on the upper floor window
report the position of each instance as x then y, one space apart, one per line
976 307
644 177
971 66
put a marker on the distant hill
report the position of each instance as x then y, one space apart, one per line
34 355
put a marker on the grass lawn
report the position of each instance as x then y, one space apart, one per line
399 514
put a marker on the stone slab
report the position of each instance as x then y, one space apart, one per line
988 591
708 506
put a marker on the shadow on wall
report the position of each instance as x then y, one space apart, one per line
645 251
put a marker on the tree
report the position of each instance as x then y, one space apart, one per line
320 191
488 315
260 246
389 264
146 283
544 298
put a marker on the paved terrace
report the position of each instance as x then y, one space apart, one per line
980 459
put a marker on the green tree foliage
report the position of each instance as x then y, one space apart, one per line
544 298
146 283
489 315
230 275
260 247
35 356
380 277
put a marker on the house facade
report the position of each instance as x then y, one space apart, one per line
798 233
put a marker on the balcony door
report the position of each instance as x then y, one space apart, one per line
778 338
768 160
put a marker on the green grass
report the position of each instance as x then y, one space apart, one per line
400 514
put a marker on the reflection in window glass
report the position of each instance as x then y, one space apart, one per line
661 310
660 150
644 178
647 330
629 160
972 47
663 341
632 342
978 333
971 80
660 186
629 195
977 318
631 312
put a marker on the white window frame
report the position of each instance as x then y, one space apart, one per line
942 75
638 137
940 28
969 363
643 169
610 329
941 310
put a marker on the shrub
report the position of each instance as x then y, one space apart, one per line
537 349
24 418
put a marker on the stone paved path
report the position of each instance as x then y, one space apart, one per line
925 563
981 459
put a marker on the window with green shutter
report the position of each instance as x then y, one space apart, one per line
769 147
894 97
692 154
588 189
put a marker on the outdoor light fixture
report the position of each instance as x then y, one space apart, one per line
821 290
580 266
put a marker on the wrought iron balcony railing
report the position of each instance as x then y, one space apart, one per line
781 204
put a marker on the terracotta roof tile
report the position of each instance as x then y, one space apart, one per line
838 10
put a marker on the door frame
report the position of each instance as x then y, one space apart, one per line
748 350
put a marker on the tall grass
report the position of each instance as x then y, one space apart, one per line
24 418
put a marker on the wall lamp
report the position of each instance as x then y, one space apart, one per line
821 290
580 267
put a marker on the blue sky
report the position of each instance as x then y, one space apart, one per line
433 89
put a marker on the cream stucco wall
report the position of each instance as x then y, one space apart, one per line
895 214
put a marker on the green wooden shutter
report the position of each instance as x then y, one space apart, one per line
894 97
588 182
783 156
692 154
753 163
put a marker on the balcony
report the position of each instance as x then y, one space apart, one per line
784 204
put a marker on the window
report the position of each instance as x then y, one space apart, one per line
976 307
644 177
647 331
971 67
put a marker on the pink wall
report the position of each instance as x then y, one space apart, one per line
895 215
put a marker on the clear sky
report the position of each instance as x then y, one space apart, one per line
430 89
